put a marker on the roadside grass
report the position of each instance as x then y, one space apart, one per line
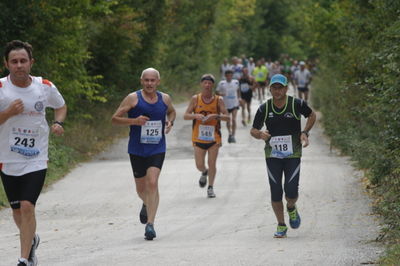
392 256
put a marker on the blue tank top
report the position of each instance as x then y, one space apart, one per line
149 139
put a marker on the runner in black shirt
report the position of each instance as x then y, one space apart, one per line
246 83
284 140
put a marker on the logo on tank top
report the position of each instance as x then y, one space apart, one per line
39 106
270 115
288 115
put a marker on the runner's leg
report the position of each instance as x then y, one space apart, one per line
152 193
275 172
27 227
212 163
229 124
248 105
243 107
234 114
141 188
292 175
199 157
306 95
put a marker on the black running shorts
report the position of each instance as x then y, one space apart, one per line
25 187
276 168
204 146
141 164
302 89
247 95
230 110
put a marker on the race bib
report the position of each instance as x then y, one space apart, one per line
24 141
260 75
244 87
151 132
206 133
281 146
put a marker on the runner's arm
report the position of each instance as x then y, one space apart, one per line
219 90
171 113
309 124
59 117
223 115
16 107
258 123
128 103
189 113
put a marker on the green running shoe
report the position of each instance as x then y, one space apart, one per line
280 231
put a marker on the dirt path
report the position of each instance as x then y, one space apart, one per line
91 216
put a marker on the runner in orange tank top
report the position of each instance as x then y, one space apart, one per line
206 110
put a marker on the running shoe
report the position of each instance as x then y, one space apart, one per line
149 232
32 259
280 231
203 179
143 214
22 262
230 138
210 192
244 123
294 218
233 140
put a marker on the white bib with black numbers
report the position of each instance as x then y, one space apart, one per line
244 87
24 141
151 132
281 146
206 133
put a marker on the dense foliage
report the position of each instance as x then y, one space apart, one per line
358 91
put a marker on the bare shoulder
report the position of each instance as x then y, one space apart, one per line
166 98
130 100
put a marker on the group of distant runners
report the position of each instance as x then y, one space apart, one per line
150 115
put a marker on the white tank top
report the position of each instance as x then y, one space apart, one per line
24 137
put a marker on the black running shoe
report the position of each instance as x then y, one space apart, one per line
143 214
203 179
149 232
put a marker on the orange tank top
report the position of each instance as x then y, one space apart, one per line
209 131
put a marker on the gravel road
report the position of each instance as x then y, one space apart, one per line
91 216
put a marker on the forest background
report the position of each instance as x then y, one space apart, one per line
94 51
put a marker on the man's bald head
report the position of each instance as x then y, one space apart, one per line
150 70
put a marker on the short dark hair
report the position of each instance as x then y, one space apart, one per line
16 45
229 71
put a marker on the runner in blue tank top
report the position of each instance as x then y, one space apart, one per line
150 116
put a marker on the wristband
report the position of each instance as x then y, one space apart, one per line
59 123
305 132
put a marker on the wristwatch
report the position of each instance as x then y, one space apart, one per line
59 123
305 132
